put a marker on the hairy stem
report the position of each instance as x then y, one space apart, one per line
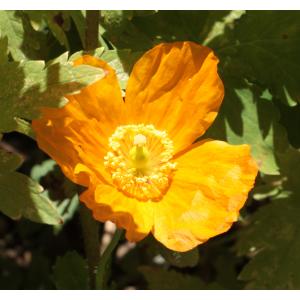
90 227
92 29
105 260
98 268
90 231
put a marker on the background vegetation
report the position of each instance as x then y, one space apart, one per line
41 240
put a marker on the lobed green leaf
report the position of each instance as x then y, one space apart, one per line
70 272
29 85
21 196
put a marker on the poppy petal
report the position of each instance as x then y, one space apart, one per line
176 88
76 135
103 99
209 188
107 203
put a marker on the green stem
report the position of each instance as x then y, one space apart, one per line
92 29
90 231
105 261
98 272
90 228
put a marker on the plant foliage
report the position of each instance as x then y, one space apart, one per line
260 67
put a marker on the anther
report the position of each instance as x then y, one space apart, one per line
136 168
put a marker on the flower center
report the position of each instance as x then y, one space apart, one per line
139 161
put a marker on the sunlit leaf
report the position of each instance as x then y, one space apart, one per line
65 195
23 41
21 196
259 64
121 61
9 161
29 85
240 121
220 26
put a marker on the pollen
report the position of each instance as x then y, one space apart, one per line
140 161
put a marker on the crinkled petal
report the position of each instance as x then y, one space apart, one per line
209 188
76 136
103 99
175 87
107 203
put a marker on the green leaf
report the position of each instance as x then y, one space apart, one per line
3 49
23 41
251 63
248 113
270 187
79 19
41 170
67 209
220 26
21 196
290 169
115 21
9 161
142 31
267 46
70 272
65 197
225 268
273 242
29 85
272 239
37 19
261 133
11 27
62 59
180 259
142 13
240 121
24 127
121 61
160 279
59 23
38 274
290 119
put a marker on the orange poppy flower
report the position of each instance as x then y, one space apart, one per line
137 156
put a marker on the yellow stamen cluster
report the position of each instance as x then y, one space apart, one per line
140 161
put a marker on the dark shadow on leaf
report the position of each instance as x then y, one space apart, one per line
33 42
143 32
